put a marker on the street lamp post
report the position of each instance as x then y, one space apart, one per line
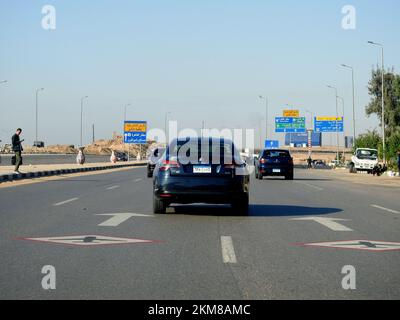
123 132
266 115
383 101
337 115
311 118
166 128
354 104
37 102
82 99
344 138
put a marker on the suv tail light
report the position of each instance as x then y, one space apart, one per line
263 160
291 161
168 164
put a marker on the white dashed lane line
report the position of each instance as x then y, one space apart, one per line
228 252
309 185
65 202
113 187
137 180
384 209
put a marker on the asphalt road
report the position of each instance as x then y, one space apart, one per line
199 252
34 159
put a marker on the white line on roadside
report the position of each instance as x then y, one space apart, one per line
112 188
137 180
385 209
310 185
228 252
65 202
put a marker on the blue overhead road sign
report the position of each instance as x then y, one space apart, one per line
290 125
271 144
328 124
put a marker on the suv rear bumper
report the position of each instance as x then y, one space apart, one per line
201 190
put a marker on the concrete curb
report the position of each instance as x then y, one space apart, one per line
48 173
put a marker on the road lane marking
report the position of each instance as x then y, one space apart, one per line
137 180
366 245
65 202
310 185
118 218
112 188
327 222
228 252
384 209
90 240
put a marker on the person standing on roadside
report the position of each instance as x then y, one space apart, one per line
398 160
17 148
309 162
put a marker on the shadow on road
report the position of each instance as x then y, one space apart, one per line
262 210
255 210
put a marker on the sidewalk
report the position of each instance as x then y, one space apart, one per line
364 178
33 171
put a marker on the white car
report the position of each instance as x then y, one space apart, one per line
364 159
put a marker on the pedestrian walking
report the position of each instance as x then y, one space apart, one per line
309 162
17 148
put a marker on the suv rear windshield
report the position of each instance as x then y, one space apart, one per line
204 152
276 154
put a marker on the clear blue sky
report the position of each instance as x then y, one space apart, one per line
207 59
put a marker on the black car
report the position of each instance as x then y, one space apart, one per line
121 156
201 170
274 162
155 155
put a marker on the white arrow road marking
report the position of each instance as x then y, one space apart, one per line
228 252
384 209
118 218
112 188
327 222
65 202
137 180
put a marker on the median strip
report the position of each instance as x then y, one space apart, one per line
63 170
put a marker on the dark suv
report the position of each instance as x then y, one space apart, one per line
154 156
274 162
201 170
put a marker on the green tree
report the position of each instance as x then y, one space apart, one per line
371 140
392 99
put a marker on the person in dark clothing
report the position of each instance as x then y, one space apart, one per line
398 160
17 148
309 162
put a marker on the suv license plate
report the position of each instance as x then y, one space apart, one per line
201 169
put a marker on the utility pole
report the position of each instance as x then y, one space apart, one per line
82 99
354 107
337 125
383 101
37 114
